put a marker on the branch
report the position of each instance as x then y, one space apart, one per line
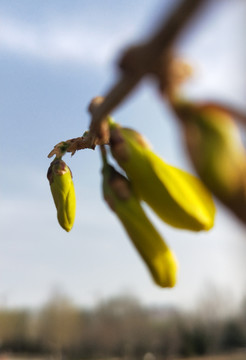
72 145
142 59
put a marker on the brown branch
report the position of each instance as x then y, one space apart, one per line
112 99
72 145
135 64
142 59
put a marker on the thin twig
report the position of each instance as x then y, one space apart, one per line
72 145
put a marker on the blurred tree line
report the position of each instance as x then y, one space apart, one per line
121 327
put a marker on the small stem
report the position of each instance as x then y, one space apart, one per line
103 154
72 145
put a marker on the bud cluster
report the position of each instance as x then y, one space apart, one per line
177 197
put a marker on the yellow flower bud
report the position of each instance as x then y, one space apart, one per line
179 198
159 259
62 189
215 147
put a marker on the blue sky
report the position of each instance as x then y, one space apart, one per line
55 57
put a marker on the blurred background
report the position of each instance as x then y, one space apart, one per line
55 57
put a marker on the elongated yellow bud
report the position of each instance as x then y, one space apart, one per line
215 147
157 256
62 189
179 198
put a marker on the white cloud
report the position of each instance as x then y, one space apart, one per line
61 42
